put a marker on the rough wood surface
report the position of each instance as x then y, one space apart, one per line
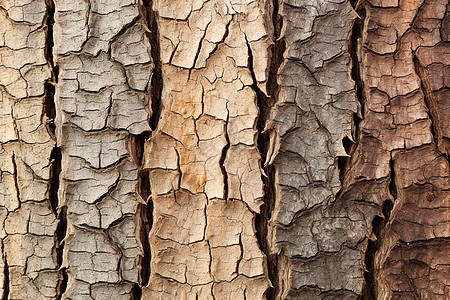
396 53
28 266
224 149
203 162
103 57
322 238
404 63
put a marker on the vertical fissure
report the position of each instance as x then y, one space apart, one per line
5 277
379 230
144 212
265 104
222 160
49 112
145 207
379 223
156 82
16 180
61 231
355 73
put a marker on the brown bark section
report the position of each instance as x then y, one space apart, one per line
404 60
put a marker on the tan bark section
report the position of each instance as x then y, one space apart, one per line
28 267
102 52
405 61
204 165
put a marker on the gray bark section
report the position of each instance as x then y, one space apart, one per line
102 53
322 239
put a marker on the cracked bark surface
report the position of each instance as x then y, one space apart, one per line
407 116
224 149
102 53
28 267
324 227
203 161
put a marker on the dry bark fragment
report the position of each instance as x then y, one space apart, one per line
410 124
28 263
319 238
103 55
204 166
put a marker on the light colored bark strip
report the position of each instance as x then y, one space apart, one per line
28 267
103 55
205 168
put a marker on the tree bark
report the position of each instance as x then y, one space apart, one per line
268 149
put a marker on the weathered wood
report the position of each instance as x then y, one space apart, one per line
103 56
269 149
204 165
28 267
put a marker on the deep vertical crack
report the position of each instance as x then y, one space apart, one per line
379 222
355 72
379 229
5 277
156 83
49 112
265 104
61 232
16 180
145 209
222 160
144 213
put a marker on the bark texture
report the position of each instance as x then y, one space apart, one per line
203 162
224 149
104 67
28 267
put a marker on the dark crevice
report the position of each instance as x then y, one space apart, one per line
222 161
55 169
145 208
136 292
356 68
6 277
48 109
379 230
265 104
49 112
262 223
49 43
61 215
378 224
144 212
343 162
369 290
156 84
61 231
16 180
392 184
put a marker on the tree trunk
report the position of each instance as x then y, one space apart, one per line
270 149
